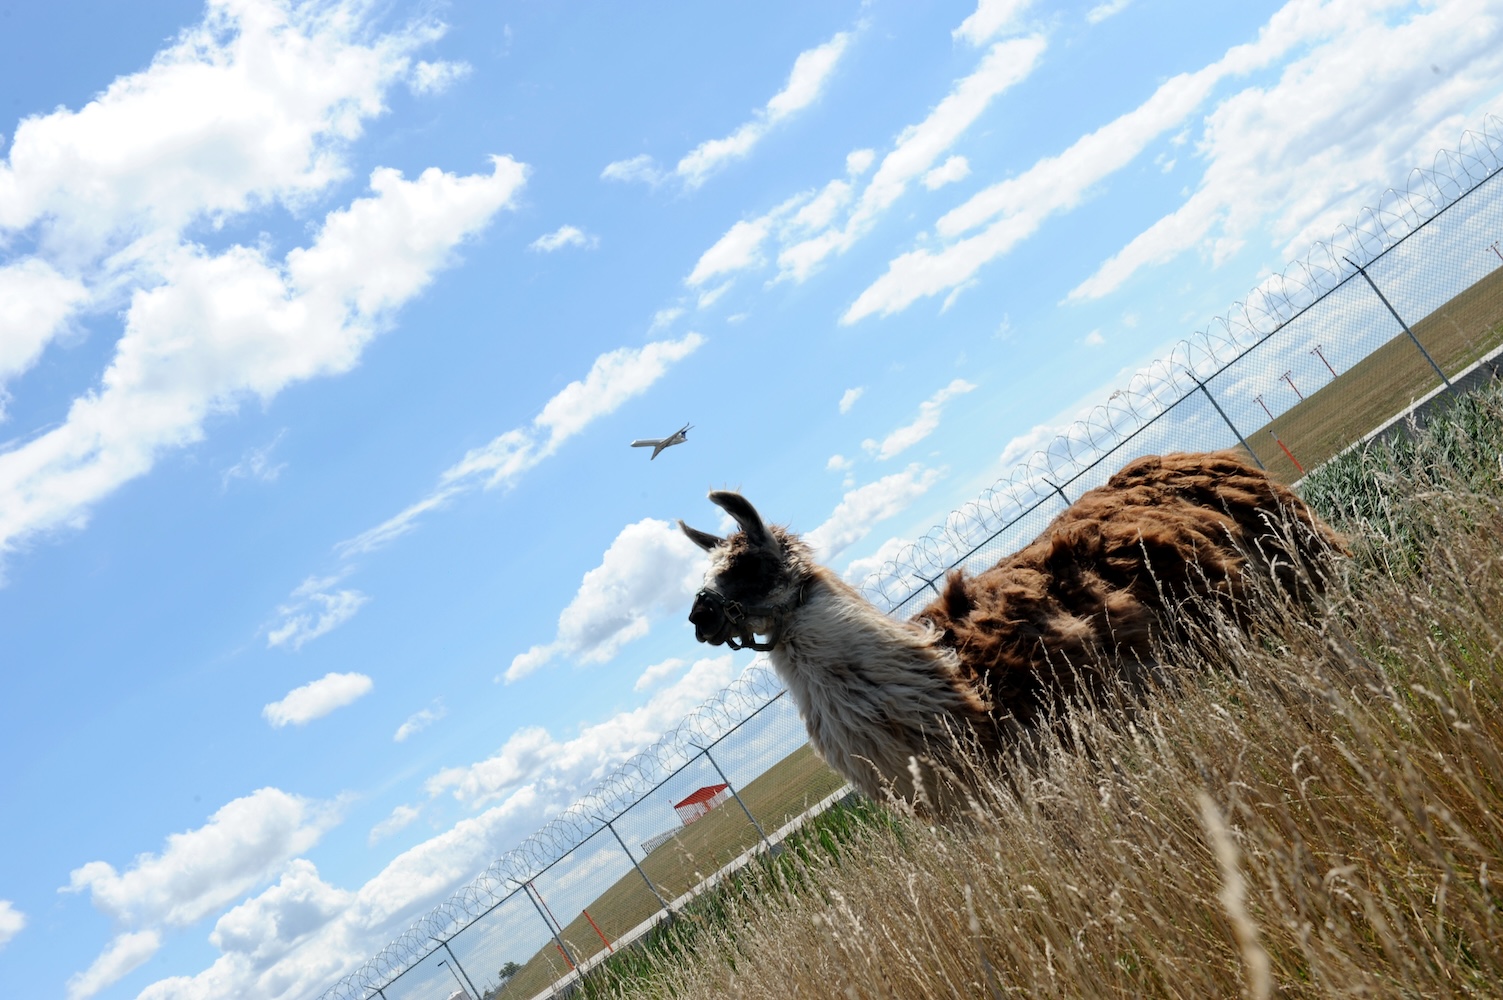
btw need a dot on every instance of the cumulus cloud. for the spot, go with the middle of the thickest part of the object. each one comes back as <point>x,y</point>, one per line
<point>12,921</point>
<point>35,302</point>
<point>226,327</point>
<point>991,18</point>
<point>657,673</point>
<point>420,720</point>
<point>861,569</point>
<point>317,699</point>
<point>252,107</point>
<point>401,817</point>
<point>302,933</point>
<point>1301,171</point>
<point>811,71</point>
<point>1380,112</point>
<point>956,168</point>
<point>739,249</point>
<point>641,168</point>
<point>533,758</point>
<point>244,844</point>
<point>806,229</point>
<point>927,421</point>
<point>564,236</point>
<point>864,507</point>
<point>649,569</point>
<point>806,81</point>
<point>1102,11</point>
<point>125,953</point>
<point>849,397</point>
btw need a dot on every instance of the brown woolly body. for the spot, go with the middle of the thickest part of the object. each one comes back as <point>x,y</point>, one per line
<point>1074,612</point>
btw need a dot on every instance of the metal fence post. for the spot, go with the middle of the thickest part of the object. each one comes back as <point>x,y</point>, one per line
<point>734,794</point>
<point>1228,419</point>
<point>1379,292</point>
<point>654,889</point>
<point>555,931</point>
<point>473,992</point>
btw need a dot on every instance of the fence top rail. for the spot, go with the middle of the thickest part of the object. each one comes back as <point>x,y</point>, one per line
<point>1153,392</point>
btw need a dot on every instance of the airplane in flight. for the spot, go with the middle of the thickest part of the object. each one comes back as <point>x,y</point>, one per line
<point>658,444</point>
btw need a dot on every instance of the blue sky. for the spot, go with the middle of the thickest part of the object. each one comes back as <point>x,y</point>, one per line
<point>326,573</point>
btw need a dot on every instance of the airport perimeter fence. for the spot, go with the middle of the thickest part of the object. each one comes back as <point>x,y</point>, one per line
<point>1403,304</point>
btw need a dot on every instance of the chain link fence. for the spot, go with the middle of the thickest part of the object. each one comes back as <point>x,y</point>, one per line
<point>1404,304</point>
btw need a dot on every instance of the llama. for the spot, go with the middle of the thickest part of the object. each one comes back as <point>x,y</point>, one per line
<point>1165,541</point>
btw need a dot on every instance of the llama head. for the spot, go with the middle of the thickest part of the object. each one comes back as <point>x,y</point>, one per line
<point>752,582</point>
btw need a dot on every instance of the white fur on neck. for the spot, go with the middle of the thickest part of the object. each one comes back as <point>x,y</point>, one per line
<point>873,692</point>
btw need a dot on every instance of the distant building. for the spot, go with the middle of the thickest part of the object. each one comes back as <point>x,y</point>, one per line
<point>701,802</point>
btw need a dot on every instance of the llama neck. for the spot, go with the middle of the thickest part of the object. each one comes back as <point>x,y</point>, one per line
<point>873,691</point>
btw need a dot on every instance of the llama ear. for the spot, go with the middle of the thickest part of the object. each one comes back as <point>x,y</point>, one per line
<point>703,539</point>
<point>746,515</point>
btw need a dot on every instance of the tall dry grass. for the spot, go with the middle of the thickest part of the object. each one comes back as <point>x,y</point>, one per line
<point>1315,809</point>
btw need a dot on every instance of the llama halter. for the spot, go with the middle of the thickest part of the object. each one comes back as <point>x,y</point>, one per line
<point>731,618</point>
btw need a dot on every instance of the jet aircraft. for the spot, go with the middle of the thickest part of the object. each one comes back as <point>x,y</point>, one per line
<point>658,444</point>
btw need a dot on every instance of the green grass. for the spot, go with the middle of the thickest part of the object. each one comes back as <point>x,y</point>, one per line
<point>1382,384</point>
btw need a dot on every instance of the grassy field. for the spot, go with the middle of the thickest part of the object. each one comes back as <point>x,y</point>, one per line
<point>1346,409</point>
<point>1315,812</point>
<point>784,791</point>
<point>1383,383</point>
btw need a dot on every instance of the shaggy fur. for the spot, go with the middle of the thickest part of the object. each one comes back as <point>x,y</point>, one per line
<point>1162,543</point>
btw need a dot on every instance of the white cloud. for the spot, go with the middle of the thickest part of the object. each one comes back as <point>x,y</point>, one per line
<point>1380,110</point>
<point>418,721</point>
<point>1034,439</point>
<point>301,933</point>
<point>657,673</point>
<point>316,609</point>
<point>401,817</point>
<point>1302,171</point>
<point>436,77</point>
<point>860,569</point>
<point>650,568</point>
<point>266,926</point>
<point>839,463</point>
<point>12,921</point>
<point>639,168</point>
<point>862,508</point>
<point>533,757</point>
<point>956,168</point>
<point>244,843</point>
<point>564,236</point>
<point>123,955</point>
<point>665,317</point>
<point>811,71</point>
<point>859,161</point>
<point>739,249</point>
<point>990,19</point>
<point>1094,339</point>
<point>710,296</point>
<point>222,328</point>
<point>317,699</point>
<point>35,302</point>
<point>917,149</point>
<point>1102,11</point>
<point>930,411</point>
<point>256,464</point>
<point>849,397</point>
<point>614,378</point>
